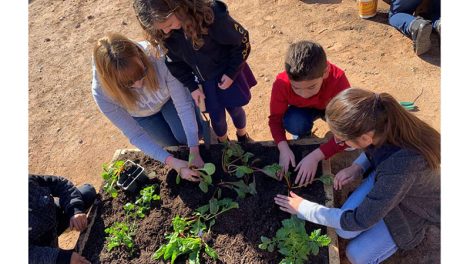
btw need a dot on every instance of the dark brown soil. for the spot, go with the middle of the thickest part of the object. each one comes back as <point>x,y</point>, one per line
<point>236,234</point>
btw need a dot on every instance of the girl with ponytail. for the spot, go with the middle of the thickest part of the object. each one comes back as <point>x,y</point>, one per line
<point>400,192</point>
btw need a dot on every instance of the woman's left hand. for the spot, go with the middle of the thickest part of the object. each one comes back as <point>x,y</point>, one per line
<point>225,82</point>
<point>290,203</point>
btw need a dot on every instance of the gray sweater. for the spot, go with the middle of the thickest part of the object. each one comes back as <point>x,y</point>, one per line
<point>406,195</point>
<point>149,104</point>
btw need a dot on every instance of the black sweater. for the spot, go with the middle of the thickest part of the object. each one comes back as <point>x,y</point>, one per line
<point>43,244</point>
<point>225,51</point>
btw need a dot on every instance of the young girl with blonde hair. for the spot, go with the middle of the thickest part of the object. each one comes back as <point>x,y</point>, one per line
<point>400,193</point>
<point>137,93</point>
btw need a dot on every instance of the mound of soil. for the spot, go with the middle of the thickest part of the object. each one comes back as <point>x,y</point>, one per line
<point>236,234</point>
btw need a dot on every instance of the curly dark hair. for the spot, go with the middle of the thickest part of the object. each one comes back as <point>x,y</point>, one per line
<point>195,17</point>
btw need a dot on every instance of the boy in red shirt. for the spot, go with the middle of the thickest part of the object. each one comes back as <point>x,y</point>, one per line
<point>299,97</point>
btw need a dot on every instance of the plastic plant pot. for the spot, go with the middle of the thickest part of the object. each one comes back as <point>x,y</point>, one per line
<point>132,177</point>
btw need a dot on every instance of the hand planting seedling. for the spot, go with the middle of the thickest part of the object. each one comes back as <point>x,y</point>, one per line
<point>110,176</point>
<point>188,234</point>
<point>293,242</point>
<point>120,234</point>
<point>206,173</point>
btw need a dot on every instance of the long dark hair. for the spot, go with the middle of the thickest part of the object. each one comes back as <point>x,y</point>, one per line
<point>354,112</point>
<point>195,17</point>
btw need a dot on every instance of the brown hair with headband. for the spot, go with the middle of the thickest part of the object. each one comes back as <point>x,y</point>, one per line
<point>117,63</point>
<point>354,112</point>
<point>195,17</point>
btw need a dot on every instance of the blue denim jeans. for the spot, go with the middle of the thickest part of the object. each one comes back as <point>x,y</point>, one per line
<point>401,12</point>
<point>165,127</point>
<point>299,121</point>
<point>373,245</point>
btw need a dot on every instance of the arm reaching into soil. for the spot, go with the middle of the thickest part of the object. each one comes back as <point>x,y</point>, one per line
<point>124,121</point>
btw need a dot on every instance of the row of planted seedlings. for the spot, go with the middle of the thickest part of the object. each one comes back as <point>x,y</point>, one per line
<point>190,233</point>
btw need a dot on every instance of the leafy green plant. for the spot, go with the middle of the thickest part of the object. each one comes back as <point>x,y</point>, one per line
<point>293,242</point>
<point>206,173</point>
<point>188,233</point>
<point>110,176</point>
<point>120,234</point>
<point>142,205</point>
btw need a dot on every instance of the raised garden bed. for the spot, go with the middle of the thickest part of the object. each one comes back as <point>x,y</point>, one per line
<point>236,234</point>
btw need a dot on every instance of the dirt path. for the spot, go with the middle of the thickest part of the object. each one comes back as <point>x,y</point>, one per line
<point>69,136</point>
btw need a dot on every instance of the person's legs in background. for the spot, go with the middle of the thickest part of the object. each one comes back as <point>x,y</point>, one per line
<point>299,121</point>
<point>219,124</point>
<point>401,17</point>
<point>238,116</point>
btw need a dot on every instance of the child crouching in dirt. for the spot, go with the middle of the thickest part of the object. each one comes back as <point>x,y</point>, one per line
<point>299,97</point>
<point>205,47</point>
<point>137,93</point>
<point>400,193</point>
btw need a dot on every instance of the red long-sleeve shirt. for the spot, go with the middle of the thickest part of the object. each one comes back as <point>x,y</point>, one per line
<point>282,96</point>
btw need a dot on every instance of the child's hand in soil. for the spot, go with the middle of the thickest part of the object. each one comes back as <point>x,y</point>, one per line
<point>78,222</point>
<point>290,203</point>
<point>225,82</point>
<point>286,157</point>
<point>182,167</point>
<point>77,259</point>
<point>197,160</point>
<point>308,167</point>
<point>347,175</point>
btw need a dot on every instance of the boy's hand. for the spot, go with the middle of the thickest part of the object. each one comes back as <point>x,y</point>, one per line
<point>308,167</point>
<point>286,157</point>
<point>347,175</point>
<point>77,259</point>
<point>225,82</point>
<point>78,222</point>
<point>290,203</point>
<point>198,96</point>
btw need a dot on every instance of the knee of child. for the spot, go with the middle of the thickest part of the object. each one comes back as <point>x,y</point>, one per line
<point>296,124</point>
<point>355,254</point>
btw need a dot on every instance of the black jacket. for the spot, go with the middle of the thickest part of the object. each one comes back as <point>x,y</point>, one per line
<point>43,244</point>
<point>225,51</point>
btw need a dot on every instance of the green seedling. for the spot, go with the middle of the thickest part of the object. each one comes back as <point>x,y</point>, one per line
<point>188,234</point>
<point>110,176</point>
<point>120,234</point>
<point>293,242</point>
<point>240,187</point>
<point>206,173</point>
<point>142,205</point>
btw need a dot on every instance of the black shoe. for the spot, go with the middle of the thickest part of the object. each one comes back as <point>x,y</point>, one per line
<point>227,141</point>
<point>420,30</point>
<point>244,139</point>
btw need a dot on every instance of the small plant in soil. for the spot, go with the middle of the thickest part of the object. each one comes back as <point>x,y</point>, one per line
<point>120,234</point>
<point>189,234</point>
<point>206,173</point>
<point>142,205</point>
<point>293,242</point>
<point>110,176</point>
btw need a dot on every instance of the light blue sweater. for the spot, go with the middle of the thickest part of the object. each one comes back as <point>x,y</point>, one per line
<point>150,103</point>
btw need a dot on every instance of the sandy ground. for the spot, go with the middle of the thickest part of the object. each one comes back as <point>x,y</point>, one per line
<point>68,136</point>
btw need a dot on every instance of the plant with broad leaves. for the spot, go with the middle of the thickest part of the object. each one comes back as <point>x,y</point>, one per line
<point>120,234</point>
<point>206,173</point>
<point>110,176</point>
<point>188,234</point>
<point>293,242</point>
<point>143,203</point>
